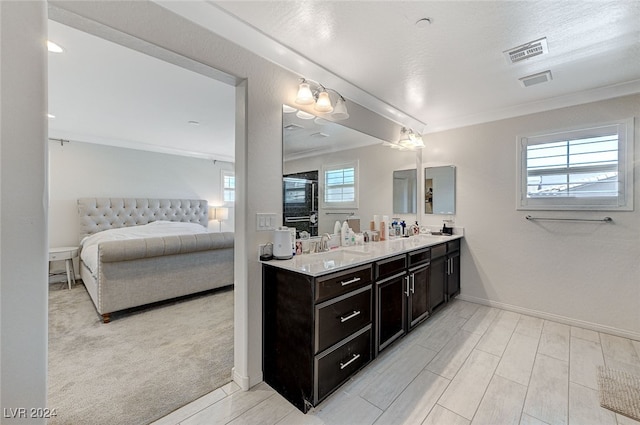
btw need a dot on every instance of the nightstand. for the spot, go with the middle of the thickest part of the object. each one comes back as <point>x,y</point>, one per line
<point>66,253</point>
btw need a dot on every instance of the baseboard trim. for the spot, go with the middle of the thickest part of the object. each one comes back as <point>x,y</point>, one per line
<point>554,317</point>
<point>242,381</point>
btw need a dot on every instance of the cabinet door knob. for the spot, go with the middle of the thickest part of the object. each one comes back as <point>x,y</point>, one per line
<point>351,316</point>
<point>353,359</point>
<point>347,282</point>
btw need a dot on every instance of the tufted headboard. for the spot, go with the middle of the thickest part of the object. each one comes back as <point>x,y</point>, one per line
<point>97,214</point>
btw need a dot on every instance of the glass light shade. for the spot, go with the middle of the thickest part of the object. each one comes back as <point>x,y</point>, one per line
<point>305,115</point>
<point>323,104</point>
<point>340,110</point>
<point>305,97</point>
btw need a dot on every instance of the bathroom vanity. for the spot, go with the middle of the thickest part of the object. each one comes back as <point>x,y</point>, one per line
<point>327,315</point>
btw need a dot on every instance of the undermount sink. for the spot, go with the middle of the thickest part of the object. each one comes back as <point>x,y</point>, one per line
<point>329,260</point>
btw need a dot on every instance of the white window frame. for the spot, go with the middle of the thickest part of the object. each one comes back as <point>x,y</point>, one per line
<point>624,200</point>
<point>339,205</point>
<point>223,188</point>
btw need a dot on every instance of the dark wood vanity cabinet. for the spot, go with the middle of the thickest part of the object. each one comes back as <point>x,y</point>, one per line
<point>453,268</point>
<point>317,331</point>
<point>402,295</point>
<point>445,273</point>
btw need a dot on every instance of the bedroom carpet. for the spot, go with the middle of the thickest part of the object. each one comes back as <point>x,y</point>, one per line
<point>141,366</point>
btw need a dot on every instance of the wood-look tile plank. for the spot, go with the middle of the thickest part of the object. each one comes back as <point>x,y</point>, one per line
<point>441,416</point>
<point>517,361</point>
<point>449,360</point>
<point>554,340</point>
<point>267,412</point>
<point>623,420</point>
<point>587,334</point>
<point>529,326</point>
<point>385,387</point>
<point>547,397</point>
<point>481,320</point>
<point>620,353</point>
<point>502,403</point>
<point>230,407</point>
<point>231,388</point>
<point>414,404</point>
<point>344,408</point>
<point>530,420</point>
<point>461,308</point>
<point>468,387</point>
<point>584,407</point>
<point>496,338</point>
<point>585,357</point>
<point>436,337</point>
<point>192,408</point>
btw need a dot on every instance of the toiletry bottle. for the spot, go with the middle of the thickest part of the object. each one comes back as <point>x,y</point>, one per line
<point>383,231</point>
<point>344,234</point>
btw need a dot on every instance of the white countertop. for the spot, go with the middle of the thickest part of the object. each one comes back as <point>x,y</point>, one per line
<point>344,257</point>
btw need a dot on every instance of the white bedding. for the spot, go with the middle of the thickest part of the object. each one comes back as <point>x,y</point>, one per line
<point>89,244</point>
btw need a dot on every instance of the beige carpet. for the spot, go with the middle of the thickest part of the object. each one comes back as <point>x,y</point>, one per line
<point>142,365</point>
<point>619,392</point>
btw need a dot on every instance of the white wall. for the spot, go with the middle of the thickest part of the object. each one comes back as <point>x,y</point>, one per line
<point>376,165</point>
<point>577,272</point>
<point>79,170</point>
<point>258,168</point>
<point>23,209</point>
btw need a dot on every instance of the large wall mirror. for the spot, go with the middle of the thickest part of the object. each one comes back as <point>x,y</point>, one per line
<point>312,148</point>
<point>405,191</point>
<point>440,190</point>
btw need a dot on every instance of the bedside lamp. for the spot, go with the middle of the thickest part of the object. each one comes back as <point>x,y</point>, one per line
<point>219,214</point>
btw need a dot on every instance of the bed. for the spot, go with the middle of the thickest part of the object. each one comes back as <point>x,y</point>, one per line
<point>135,252</point>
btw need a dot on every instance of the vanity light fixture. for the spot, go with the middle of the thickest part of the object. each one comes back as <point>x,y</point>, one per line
<point>320,97</point>
<point>409,140</point>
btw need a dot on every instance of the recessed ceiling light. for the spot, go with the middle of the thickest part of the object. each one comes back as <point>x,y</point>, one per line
<point>541,77</point>
<point>53,47</point>
<point>50,116</point>
<point>304,115</point>
<point>288,109</point>
<point>193,123</point>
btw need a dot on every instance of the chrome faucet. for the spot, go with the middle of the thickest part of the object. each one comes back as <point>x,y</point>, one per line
<point>324,243</point>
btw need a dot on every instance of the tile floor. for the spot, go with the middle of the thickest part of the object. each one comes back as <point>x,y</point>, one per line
<point>469,364</point>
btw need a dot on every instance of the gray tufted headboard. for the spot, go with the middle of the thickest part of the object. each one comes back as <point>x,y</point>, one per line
<point>97,214</point>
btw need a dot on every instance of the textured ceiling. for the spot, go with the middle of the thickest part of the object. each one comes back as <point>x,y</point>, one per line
<point>453,72</point>
<point>446,74</point>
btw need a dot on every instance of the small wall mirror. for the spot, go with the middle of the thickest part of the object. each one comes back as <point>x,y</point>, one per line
<point>405,191</point>
<point>440,190</point>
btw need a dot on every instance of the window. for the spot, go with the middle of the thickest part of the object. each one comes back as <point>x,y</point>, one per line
<point>590,168</point>
<point>228,187</point>
<point>340,185</point>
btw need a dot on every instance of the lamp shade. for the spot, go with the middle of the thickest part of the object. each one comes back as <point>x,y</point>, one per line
<point>323,104</point>
<point>305,97</point>
<point>340,110</point>
<point>221,213</point>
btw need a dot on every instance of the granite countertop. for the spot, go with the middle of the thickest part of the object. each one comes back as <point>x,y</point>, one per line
<point>345,257</point>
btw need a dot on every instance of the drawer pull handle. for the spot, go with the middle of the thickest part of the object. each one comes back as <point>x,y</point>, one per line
<point>351,316</point>
<point>347,282</point>
<point>353,359</point>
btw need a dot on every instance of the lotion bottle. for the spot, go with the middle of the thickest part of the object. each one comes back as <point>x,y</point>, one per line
<point>345,234</point>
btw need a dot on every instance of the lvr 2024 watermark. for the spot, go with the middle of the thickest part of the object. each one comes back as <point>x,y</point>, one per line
<point>28,413</point>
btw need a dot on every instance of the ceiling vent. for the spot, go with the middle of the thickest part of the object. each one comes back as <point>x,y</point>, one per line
<point>526,51</point>
<point>540,77</point>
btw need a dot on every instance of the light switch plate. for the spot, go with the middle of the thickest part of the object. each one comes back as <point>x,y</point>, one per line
<point>266,221</point>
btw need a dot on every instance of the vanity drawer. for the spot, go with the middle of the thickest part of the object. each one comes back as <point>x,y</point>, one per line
<point>390,266</point>
<point>340,317</point>
<point>335,367</point>
<point>453,245</point>
<point>419,257</point>
<point>340,283</point>
<point>438,251</point>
